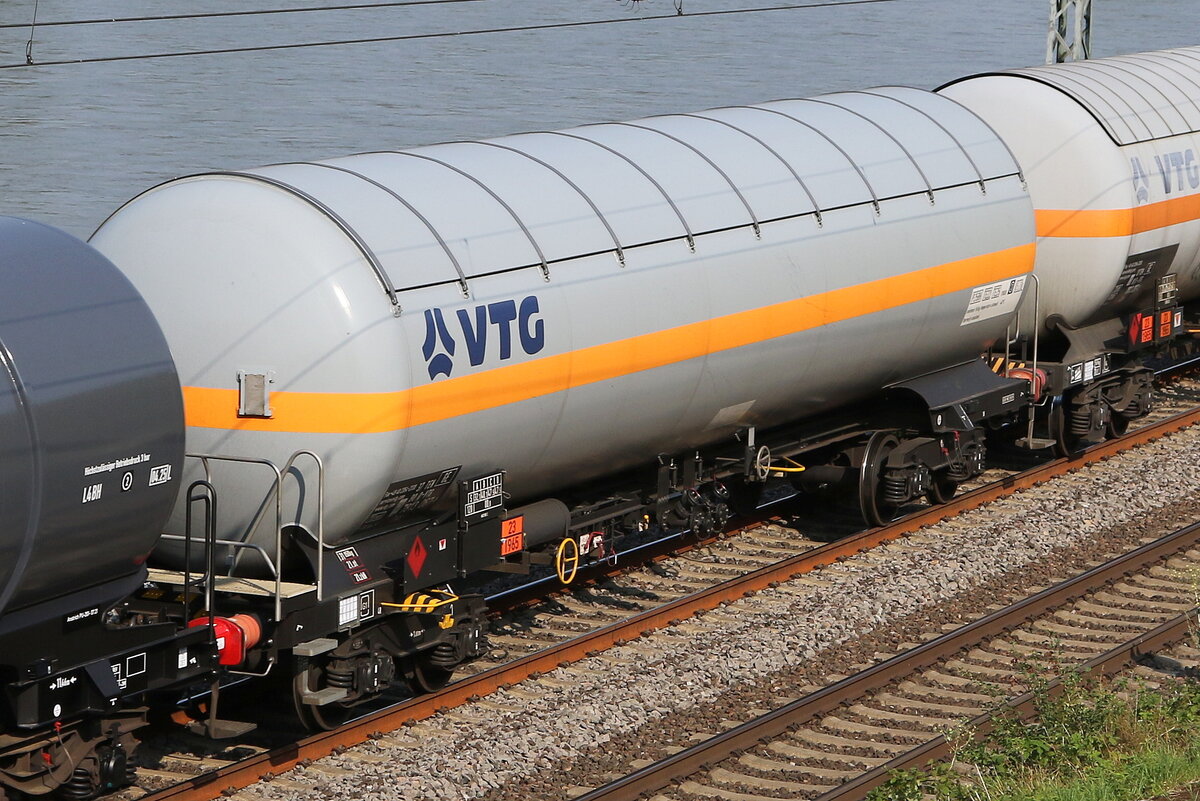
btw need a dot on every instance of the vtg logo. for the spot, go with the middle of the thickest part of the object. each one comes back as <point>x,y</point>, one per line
<point>473,330</point>
<point>1178,171</point>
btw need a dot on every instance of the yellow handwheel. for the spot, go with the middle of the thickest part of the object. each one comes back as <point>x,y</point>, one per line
<point>566,561</point>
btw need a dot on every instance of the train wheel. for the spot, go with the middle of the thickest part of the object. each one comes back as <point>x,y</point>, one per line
<point>427,677</point>
<point>1117,425</point>
<point>307,677</point>
<point>941,488</point>
<point>1067,443</point>
<point>875,510</point>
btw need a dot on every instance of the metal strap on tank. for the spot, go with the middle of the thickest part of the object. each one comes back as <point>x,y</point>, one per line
<point>368,254</point>
<point>1191,58</point>
<point>462,278</point>
<point>1186,55</point>
<point>829,139</point>
<point>691,239</point>
<point>710,162</point>
<point>595,209</point>
<point>937,122</point>
<point>885,132</point>
<point>1106,64</point>
<point>516,218</point>
<point>1100,63</point>
<point>1173,66</point>
<point>773,152</point>
<point>1057,78</point>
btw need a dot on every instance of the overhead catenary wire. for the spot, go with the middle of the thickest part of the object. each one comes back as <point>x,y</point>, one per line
<point>437,35</point>
<point>219,14</point>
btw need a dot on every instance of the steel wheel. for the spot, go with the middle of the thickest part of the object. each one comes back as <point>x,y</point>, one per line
<point>941,488</point>
<point>876,511</point>
<point>427,678</point>
<point>307,675</point>
<point>1066,443</point>
<point>1117,425</point>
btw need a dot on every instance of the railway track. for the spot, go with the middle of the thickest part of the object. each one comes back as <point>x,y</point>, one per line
<point>577,626</point>
<point>841,742</point>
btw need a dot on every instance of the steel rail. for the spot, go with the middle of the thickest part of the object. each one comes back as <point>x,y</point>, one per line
<point>241,774</point>
<point>773,724</point>
<point>1113,661</point>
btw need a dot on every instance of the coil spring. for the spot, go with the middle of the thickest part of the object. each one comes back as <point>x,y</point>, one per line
<point>957,471</point>
<point>1081,420</point>
<point>80,787</point>
<point>339,677</point>
<point>895,489</point>
<point>443,655</point>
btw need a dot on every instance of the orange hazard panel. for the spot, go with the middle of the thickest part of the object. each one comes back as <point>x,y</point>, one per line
<point>512,535</point>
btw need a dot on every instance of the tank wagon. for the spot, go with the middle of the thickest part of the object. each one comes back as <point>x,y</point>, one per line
<point>1113,174</point>
<point>466,334</point>
<point>401,369</point>
<point>92,426</point>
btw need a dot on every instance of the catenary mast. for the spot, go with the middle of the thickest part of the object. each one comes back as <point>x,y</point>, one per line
<point>1070,34</point>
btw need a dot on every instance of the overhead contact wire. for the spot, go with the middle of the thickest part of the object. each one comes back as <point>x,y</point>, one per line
<point>439,35</point>
<point>251,13</point>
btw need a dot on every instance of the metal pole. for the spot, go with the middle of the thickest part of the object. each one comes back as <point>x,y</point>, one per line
<point>1070,34</point>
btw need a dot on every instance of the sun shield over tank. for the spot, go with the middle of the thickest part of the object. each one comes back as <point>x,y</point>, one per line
<point>452,212</point>
<point>1136,98</point>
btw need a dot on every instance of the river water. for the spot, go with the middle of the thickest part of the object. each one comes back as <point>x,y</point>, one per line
<point>79,139</point>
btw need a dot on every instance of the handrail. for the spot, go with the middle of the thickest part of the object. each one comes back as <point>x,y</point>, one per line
<point>320,514</point>
<point>274,564</point>
<point>208,496</point>
<point>276,568</point>
<point>1037,291</point>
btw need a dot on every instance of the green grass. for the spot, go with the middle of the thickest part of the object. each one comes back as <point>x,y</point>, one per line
<point>1146,773</point>
<point>1089,742</point>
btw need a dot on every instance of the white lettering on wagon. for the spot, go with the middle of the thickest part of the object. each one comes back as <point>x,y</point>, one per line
<point>108,467</point>
<point>160,475</point>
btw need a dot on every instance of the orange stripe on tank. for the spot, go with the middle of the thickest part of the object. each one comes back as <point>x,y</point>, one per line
<point>365,413</point>
<point>1117,222</point>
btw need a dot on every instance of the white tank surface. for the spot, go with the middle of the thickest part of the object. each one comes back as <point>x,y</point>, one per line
<point>566,304</point>
<point>1112,155</point>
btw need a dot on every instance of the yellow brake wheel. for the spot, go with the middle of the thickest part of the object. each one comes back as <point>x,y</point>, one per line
<point>566,561</point>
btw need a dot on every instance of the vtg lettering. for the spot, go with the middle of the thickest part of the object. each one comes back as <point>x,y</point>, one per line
<point>505,323</point>
<point>1178,170</point>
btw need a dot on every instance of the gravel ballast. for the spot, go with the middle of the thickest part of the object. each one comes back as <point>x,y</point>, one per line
<point>515,738</point>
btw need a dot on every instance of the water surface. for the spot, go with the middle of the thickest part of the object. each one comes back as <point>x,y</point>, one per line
<point>78,140</point>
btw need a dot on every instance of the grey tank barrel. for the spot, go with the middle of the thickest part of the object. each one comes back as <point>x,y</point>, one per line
<point>566,305</point>
<point>545,521</point>
<point>91,421</point>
